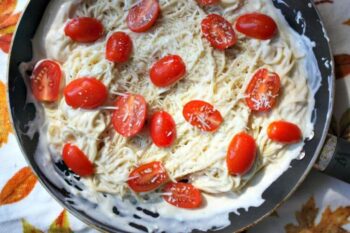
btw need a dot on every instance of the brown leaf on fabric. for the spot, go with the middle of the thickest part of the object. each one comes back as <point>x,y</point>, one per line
<point>7,6</point>
<point>28,228</point>
<point>331,222</point>
<point>61,224</point>
<point>5,123</point>
<point>347,22</point>
<point>342,65</point>
<point>18,187</point>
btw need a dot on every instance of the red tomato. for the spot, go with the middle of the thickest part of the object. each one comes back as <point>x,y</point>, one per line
<point>119,47</point>
<point>129,117</point>
<point>284,132</point>
<point>147,177</point>
<point>256,25</point>
<point>142,16</point>
<point>167,70</point>
<point>85,93</point>
<point>207,2</point>
<point>163,129</point>
<point>218,31</point>
<point>241,154</point>
<point>77,161</point>
<point>46,80</point>
<point>182,195</point>
<point>84,29</point>
<point>263,90</point>
<point>202,115</point>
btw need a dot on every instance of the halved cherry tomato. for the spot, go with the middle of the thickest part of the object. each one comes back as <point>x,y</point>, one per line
<point>284,132</point>
<point>46,80</point>
<point>182,195</point>
<point>77,161</point>
<point>256,25</point>
<point>202,115</point>
<point>119,46</point>
<point>167,70</point>
<point>207,2</point>
<point>241,154</point>
<point>85,93</point>
<point>142,16</point>
<point>263,90</point>
<point>218,31</point>
<point>163,129</point>
<point>129,117</point>
<point>84,29</point>
<point>147,177</point>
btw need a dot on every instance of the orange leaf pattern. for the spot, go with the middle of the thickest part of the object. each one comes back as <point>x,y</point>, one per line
<point>342,65</point>
<point>347,22</point>
<point>28,228</point>
<point>5,123</point>
<point>18,187</point>
<point>8,22</point>
<point>61,224</point>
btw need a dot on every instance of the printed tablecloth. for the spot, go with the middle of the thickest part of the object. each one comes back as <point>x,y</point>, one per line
<point>321,204</point>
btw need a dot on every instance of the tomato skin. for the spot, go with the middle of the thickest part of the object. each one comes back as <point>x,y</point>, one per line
<point>147,177</point>
<point>84,29</point>
<point>218,31</point>
<point>119,47</point>
<point>130,115</point>
<point>46,80</point>
<point>256,25</point>
<point>167,71</point>
<point>202,115</point>
<point>284,132</point>
<point>163,129</point>
<point>241,154</point>
<point>85,93</point>
<point>263,90</point>
<point>182,195</point>
<point>143,16</point>
<point>76,160</point>
<point>207,2</point>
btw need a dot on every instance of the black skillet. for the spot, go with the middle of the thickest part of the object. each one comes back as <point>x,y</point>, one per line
<point>335,159</point>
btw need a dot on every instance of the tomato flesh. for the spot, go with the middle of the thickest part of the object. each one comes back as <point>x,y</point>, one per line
<point>130,115</point>
<point>167,71</point>
<point>241,154</point>
<point>46,80</point>
<point>263,90</point>
<point>163,129</point>
<point>284,132</point>
<point>207,2</point>
<point>218,31</point>
<point>85,93</point>
<point>202,115</point>
<point>119,47</point>
<point>182,195</point>
<point>76,160</point>
<point>143,16</point>
<point>147,177</point>
<point>84,29</point>
<point>257,25</point>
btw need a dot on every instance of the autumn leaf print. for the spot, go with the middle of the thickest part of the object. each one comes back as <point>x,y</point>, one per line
<point>347,22</point>
<point>61,224</point>
<point>342,65</point>
<point>5,123</point>
<point>28,228</point>
<point>18,187</point>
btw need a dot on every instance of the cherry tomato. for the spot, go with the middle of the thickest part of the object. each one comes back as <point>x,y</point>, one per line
<point>241,154</point>
<point>143,16</point>
<point>167,70</point>
<point>263,90</point>
<point>147,177</point>
<point>256,25</point>
<point>84,29</point>
<point>119,47</point>
<point>85,93</point>
<point>202,115</point>
<point>129,117</point>
<point>182,195</point>
<point>46,80</point>
<point>218,31</point>
<point>207,2</point>
<point>284,132</point>
<point>163,129</point>
<point>77,161</point>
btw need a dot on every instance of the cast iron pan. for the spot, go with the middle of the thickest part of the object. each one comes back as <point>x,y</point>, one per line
<point>279,191</point>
